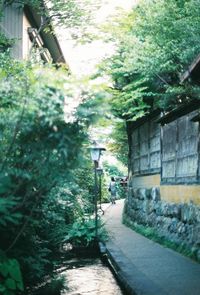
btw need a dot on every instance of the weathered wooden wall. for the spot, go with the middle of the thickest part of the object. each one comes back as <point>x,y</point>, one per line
<point>179,151</point>
<point>12,26</point>
<point>164,177</point>
<point>145,158</point>
<point>171,150</point>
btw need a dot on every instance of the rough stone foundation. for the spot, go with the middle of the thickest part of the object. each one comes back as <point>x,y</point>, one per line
<point>179,223</point>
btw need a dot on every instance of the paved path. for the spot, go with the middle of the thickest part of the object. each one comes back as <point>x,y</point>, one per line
<point>143,265</point>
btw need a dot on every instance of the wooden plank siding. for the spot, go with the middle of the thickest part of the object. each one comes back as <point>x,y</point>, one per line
<point>12,26</point>
<point>171,150</point>
<point>145,158</point>
<point>168,150</point>
<point>155,146</point>
<point>179,152</point>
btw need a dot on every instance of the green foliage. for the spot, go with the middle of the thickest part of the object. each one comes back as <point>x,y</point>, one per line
<point>5,43</point>
<point>85,180</point>
<point>43,187</point>
<point>7,217</point>
<point>114,169</point>
<point>46,179</point>
<point>55,286</point>
<point>82,232</point>
<point>119,145</point>
<point>105,194</point>
<point>156,43</point>
<point>10,275</point>
<point>75,15</point>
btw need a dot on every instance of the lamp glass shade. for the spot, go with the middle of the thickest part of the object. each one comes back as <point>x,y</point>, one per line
<point>95,154</point>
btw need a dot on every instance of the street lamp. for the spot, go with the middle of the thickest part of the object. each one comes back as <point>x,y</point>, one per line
<point>100,173</point>
<point>95,155</point>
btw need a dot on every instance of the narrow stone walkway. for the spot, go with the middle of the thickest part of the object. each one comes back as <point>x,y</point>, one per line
<point>145,267</point>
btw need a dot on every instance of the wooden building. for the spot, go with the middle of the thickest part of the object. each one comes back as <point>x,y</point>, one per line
<point>164,152</point>
<point>164,170</point>
<point>22,24</point>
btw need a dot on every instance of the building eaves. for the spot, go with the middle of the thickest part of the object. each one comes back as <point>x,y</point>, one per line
<point>49,38</point>
<point>192,72</point>
<point>178,112</point>
<point>150,116</point>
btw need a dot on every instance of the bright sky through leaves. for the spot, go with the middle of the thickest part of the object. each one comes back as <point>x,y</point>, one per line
<point>83,58</point>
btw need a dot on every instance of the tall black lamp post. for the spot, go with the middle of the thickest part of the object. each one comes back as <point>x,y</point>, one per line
<point>95,155</point>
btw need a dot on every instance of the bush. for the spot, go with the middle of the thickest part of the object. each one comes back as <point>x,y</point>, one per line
<point>83,232</point>
<point>10,276</point>
<point>42,188</point>
<point>54,287</point>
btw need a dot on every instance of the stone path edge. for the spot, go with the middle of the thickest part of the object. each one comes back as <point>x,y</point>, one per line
<point>136,283</point>
<point>121,278</point>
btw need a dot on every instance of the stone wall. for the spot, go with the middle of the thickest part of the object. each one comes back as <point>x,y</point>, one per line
<point>179,223</point>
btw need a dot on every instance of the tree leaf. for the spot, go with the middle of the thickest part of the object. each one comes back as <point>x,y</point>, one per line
<point>10,284</point>
<point>4,269</point>
<point>20,286</point>
<point>2,288</point>
<point>14,270</point>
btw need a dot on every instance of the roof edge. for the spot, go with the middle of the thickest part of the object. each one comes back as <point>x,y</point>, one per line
<point>191,68</point>
<point>178,112</point>
<point>34,18</point>
<point>151,115</point>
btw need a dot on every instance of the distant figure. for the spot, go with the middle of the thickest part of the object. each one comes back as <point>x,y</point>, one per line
<point>113,190</point>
